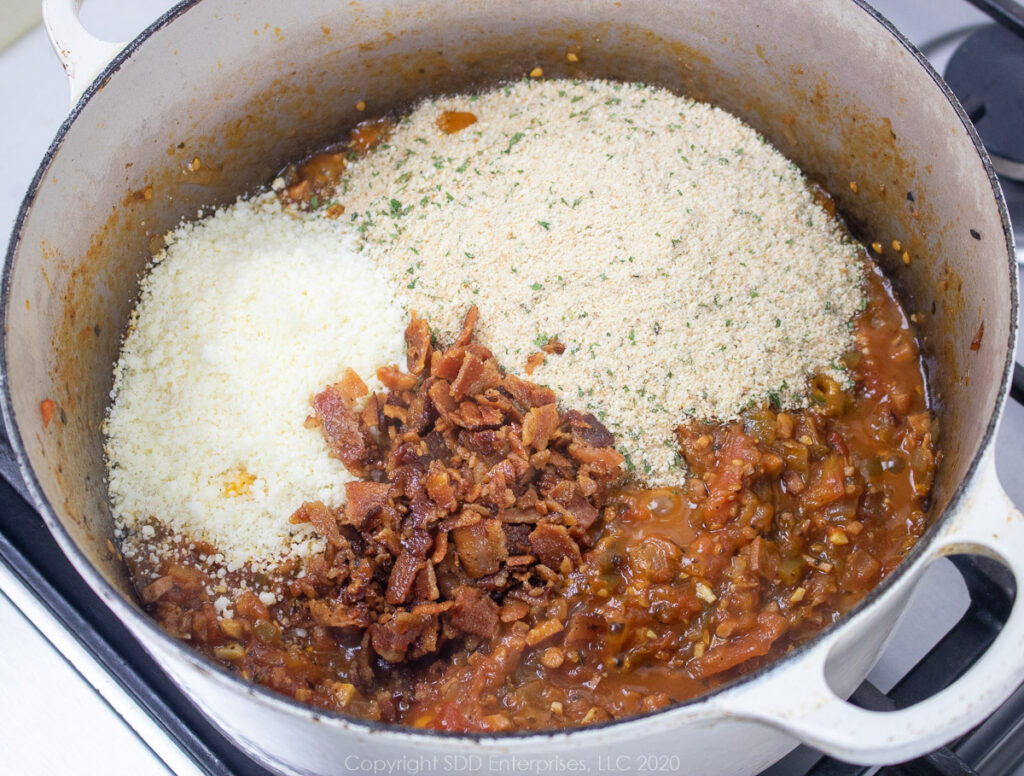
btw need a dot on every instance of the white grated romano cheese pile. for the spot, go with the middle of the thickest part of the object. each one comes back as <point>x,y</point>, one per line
<point>241,319</point>
<point>679,257</point>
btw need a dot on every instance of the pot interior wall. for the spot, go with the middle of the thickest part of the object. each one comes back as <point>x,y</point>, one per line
<point>245,87</point>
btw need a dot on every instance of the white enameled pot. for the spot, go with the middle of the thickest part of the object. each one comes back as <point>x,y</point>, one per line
<point>246,85</point>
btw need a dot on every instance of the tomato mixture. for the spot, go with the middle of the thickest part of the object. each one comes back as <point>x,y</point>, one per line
<point>536,613</point>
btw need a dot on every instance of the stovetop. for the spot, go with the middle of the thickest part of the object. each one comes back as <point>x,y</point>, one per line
<point>127,701</point>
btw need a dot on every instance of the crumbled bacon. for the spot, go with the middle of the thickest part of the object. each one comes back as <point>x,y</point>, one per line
<point>394,379</point>
<point>322,519</point>
<point>403,574</point>
<point>417,345</point>
<point>481,547</point>
<point>362,500</point>
<point>552,543</point>
<point>533,361</point>
<point>349,439</point>
<point>474,612</point>
<point>393,636</point>
<point>529,394</point>
<point>539,425</point>
<point>586,429</point>
<point>475,376</point>
<point>468,326</point>
<point>554,347</point>
<point>475,495</point>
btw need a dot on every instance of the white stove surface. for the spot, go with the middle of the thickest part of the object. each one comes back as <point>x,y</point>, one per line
<point>99,728</point>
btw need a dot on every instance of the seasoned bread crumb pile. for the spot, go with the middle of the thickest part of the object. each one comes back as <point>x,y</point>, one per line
<point>682,261</point>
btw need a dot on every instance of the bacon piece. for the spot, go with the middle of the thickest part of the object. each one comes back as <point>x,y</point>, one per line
<point>395,412</point>
<point>528,394</point>
<point>392,639</point>
<point>533,361</point>
<point>425,586</point>
<point>516,515</point>
<point>362,499</point>
<point>371,414</point>
<point>554,347</point>
<point>424,513</point>
<point>447,364</point>
<point>551,543</point>
<point>433,608</point>
<point>505,469</point>
<point>417,345</point>
<point>322,519</point>
<point>481,547</point>
<point>588,430</point>
<point>475,376</point>
<point>465,518</point>
<point>439,487</point>
<point>420,415</point>
<point>520,560</point>
<point>403,574</point>
<point>497,488</point>
<point>418,543</point>
<point>603,460</point>
<point>338,615</point>
<point>488,442</point>
<point>468,324</point>
<point>348,439</point>
<point>538,426</point>
<point>440,394</point>
<point>474,417</point>
<point>498,400</point>
<point>474,612</point>
<point>568,494</point>
<point>395,380</point>
<point>352,386</point>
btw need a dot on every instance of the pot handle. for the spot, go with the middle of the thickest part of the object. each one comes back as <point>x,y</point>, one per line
<point>82,55</point>
<point>987,523</point>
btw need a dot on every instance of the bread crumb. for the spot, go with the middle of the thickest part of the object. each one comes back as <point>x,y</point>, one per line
<point>683,261</point>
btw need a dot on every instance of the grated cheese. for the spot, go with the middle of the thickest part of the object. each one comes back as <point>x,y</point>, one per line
<point>242,318</point>
<point>682,260</point>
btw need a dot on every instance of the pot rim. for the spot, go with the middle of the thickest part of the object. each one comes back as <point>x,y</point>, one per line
<point>690,707</point>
